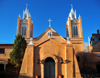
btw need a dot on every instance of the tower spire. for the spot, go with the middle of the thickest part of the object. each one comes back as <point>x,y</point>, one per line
<point>72,14</point>
<point>79,16</point>
<point>19,15</point>
<point>26,6</point>
<point>26,13</point>
<point>71,7</point>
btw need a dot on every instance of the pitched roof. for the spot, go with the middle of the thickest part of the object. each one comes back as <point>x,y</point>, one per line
<point>97,36</point>
<point>44,36</point>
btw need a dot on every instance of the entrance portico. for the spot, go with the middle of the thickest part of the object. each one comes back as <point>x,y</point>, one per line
<point>49,67</point>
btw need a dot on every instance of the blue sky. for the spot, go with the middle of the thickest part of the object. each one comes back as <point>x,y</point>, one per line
<point>42,10</point>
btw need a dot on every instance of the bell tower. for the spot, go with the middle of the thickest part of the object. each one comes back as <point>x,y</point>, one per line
<point>74,26</point>
<point>25,26</point>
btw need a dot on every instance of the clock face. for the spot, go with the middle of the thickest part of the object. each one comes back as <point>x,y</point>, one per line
<point>74,20</point>
<point>24,20</point>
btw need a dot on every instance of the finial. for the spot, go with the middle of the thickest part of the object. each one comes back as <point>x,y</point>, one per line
<point>19,15</point>
<point>26,6</point>
<point>49,22</point>
<point>68,41</point>
<point>79,16</point>
<point>31,43</point>
<point>71,7</point>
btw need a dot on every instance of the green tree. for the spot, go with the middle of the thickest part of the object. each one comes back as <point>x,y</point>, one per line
<point>19,47</point>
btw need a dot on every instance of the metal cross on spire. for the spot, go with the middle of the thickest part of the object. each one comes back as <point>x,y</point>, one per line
<point>49,22</point>
<point>72,7</point>
<point>26,6</point>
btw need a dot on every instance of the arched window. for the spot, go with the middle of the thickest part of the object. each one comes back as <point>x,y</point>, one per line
<point>23,30</point>
<point>75,30</point>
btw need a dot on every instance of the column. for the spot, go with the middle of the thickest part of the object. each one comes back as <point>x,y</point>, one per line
<point>80,26</point>
<point>18,25</point>
<point>29,28</point>
<point>30,61</point>
<point>70,27</point>
<point>69,53</point>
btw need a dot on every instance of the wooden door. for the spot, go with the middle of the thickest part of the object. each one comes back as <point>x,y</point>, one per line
<point>49,69</point>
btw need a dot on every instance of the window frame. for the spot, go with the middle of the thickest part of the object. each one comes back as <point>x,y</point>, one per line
<point>75,31</point>
<point>3,49</point>
<point>22,31</point>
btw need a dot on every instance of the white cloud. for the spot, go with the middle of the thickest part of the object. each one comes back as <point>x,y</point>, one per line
<point>85,44</point>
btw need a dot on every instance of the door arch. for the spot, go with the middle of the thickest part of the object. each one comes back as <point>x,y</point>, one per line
<point>49,68</point>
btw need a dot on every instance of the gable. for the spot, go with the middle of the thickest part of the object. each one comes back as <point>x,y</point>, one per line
<point>97,36</point>
<point>44,36</point>
<point>50,47</point>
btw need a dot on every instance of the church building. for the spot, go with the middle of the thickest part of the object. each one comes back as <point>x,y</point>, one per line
<point>49,55</point>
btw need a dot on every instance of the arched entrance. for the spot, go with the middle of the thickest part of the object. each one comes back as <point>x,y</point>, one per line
<point>49,68</point>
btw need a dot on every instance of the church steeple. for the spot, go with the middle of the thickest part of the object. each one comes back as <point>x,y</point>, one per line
<point>74,26</point>
<point>26,13</point>
<point>72,14</point>
<point>25,26</point>
<point>71,8</point>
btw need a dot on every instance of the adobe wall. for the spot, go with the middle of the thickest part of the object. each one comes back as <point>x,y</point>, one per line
<point>77,45</point>
<point>57,51</point>
<point>8,49</point>
<point>50,49</point>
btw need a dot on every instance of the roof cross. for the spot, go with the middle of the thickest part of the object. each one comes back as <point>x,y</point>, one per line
<point>26,6</point>
<point>49,22</point>
<point>71,7</point>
